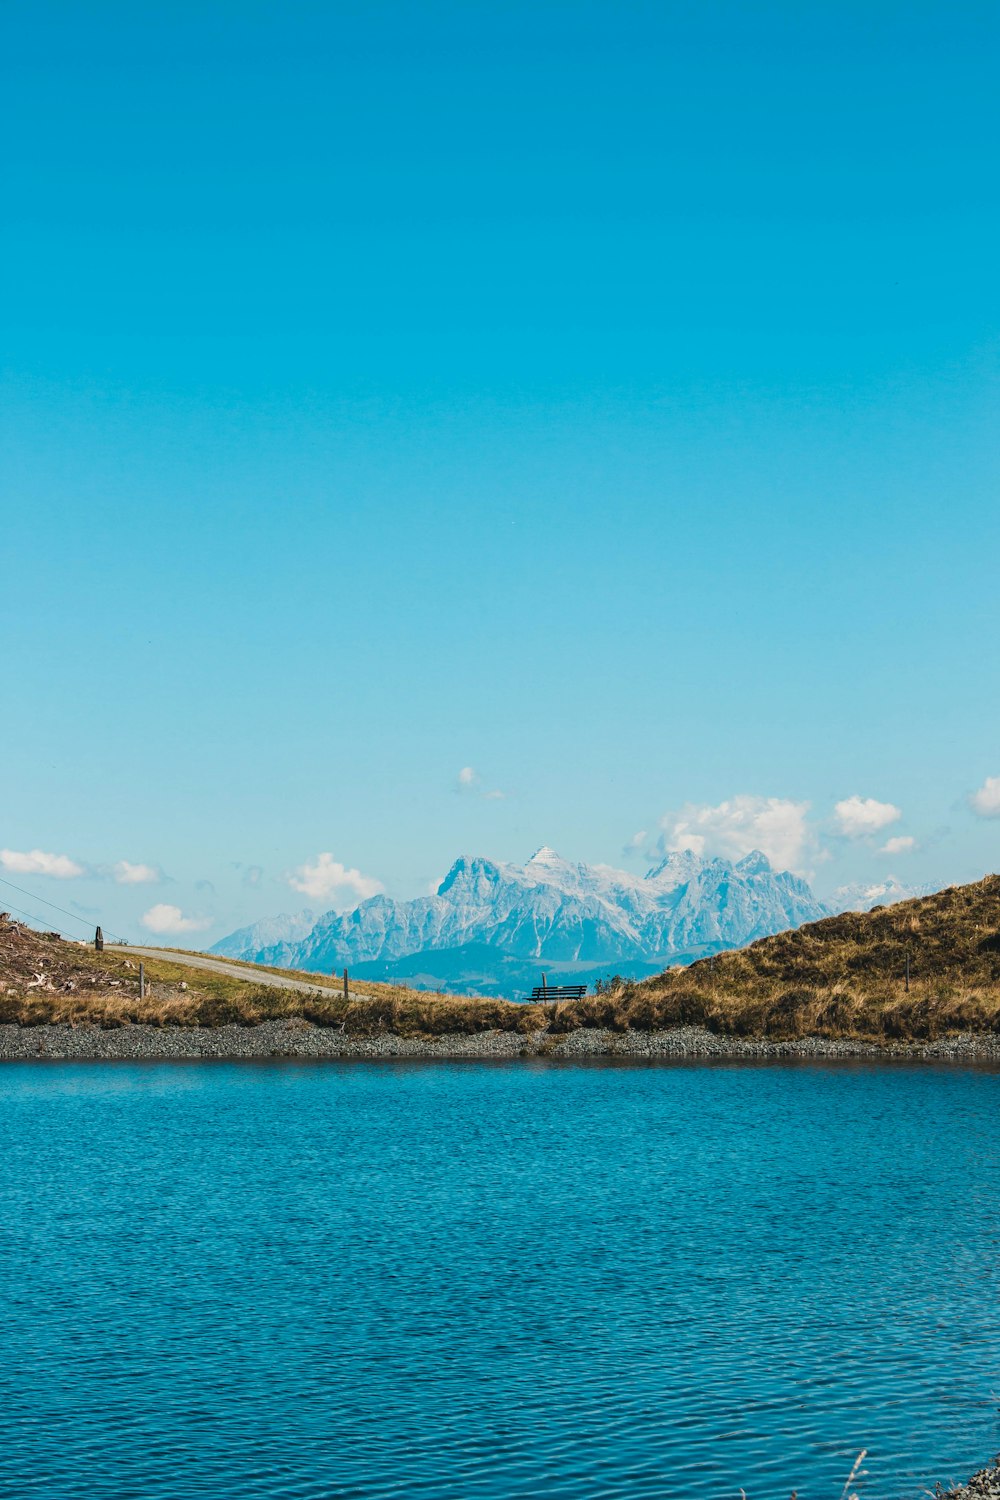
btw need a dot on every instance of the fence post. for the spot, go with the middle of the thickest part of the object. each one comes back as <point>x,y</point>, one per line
<point>142,981</point>
<point>907,971</point>
<point>345,984</point>
<point>99,941</point>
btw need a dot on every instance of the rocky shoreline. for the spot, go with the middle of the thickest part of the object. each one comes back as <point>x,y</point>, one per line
<point>297,1038</point>
<point>982,1486</point>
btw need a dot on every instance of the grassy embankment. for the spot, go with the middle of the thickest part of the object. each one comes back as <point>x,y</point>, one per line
<point>843,977</point>
<point>846,975</point>
<point>47,980</point>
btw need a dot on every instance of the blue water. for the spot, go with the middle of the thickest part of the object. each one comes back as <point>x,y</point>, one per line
<point>308,1281</point>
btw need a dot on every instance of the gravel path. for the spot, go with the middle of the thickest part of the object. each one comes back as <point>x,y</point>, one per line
<point>220,966</point>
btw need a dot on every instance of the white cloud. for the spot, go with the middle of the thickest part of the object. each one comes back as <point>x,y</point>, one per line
<point>901,844</point>
<point>37,862</point>
<point>469,780</point>
<point>986,802</point>
<point>637,842</point>
<point>326,879</point>
<point>125,873</point>
<point>777,826</point>
<point>859,816</point>
<point>164,918</point>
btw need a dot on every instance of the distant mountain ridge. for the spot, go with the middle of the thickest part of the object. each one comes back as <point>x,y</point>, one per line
<point>887,892</point>
<point>496,927</point>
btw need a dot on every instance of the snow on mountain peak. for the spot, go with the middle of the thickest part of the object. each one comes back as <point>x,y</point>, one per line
<point>470,877</point>
<point>678,865</point>
<point>755,863</point>
<point>551,911</point>
<point>887,892</point>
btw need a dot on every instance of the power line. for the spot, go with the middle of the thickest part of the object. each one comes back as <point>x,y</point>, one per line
<point>33,917</point>
<point>73,918</point>
<point>42,899</point>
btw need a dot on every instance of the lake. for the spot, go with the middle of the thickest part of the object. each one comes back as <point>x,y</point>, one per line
<point>472,1280</point>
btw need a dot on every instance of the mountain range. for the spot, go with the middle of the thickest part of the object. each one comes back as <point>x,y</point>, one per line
<point>865,897</point>
<point>495,928</point>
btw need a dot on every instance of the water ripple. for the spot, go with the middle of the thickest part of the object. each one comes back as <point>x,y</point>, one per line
<point>355,1283</point>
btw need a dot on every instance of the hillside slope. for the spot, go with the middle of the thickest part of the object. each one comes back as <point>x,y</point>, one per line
<point>842,976</point>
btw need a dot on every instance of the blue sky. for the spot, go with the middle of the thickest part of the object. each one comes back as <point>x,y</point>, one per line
<point>597,398</point>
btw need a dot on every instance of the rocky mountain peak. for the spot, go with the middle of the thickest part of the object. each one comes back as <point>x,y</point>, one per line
<point>470,877</point>
<point>755,863</point>
<point>549,912</point>
<point>546,856</point>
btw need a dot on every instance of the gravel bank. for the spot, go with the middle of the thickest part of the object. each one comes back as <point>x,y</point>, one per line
<point>982,1486</point>
<point>300,1039</point>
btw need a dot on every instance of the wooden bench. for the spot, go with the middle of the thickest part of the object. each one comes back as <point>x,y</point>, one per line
<point>559,992</point>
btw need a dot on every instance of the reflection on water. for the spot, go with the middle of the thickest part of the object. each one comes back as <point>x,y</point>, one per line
<point>522,1280</point>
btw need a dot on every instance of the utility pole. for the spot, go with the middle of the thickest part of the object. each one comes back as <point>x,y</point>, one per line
<point>907,971</point>
<point>345,984</point>
<point>142,981</point>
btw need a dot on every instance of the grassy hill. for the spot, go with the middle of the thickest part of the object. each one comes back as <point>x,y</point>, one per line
<point>843,977</point>
<point>45,980</point>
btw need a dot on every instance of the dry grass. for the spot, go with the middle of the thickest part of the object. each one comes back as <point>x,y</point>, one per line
<point>843,977</point>
<point>45,980</point>
<point>231,1002</point>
